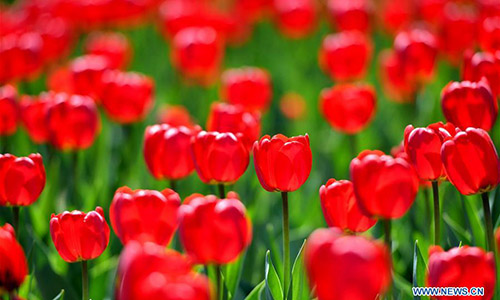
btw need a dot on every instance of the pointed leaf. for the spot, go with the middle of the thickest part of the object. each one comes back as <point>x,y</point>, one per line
<point>274,290</point>
<point>257,290</point>
<point>299,289</point>
<point>60,296</point>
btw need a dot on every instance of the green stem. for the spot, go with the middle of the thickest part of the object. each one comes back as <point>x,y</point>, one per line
<point>352,145</point>
<point>15,219</point>
<point>85,281</point>
<point>427,207</point>
<point>437,219</point>
<point>173,185</point>
<point>286,245</point>
<point>222,192</point>
<point>220,286</point>
<point>387,241</point>
<point>488,221</point>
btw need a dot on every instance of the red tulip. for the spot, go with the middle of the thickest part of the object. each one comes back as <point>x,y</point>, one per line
<point>462,267</point>
<point>197,52</point>
<point>112,45</point>
<point>14,266</point>
<point>459,30</point>
<point>73,121</point>
<point>167,151</point>
<point>471,161</point>
<point>233,118</point>
<point>295,18</point>
<point>350,15</point>
<point>396,82</point>
<point>293,106</point>
<point>399,151</point>
<point>282,164</point>
<point>340,207</point>
<point>57,35</point>
<point>423,148</point>
<point>483,64</point>
<point>126,96</point>
<point>219,157</point>
<point>34,114</point>
<point>249,86</point>
<point>431,10</point>
<point>79,236</point>
<point>214,230</point>
<point>348,108</point>
<point>9,110</point>
<point>385,187</point>
<point>346,267</point>
<point>60,80</point>
<point>469,104</point>
<point>417,50</point>
<point>396,15</point>
<point>22,179</point>
<point>150,272</point>
<point>489,34</point>
<point>86,72</point>
<point>144,215</point>
<point>20,56</point>
<point>345,55</point>
<point>176,116</point>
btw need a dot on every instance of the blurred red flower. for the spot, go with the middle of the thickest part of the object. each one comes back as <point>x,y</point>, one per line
<point>14,266</point>
<point>346,266</point>
<point>9,110</point>
<point>167,151</point>
<point>73,121</point>
<point>86,75</point>
<point>469,104</point>
<point>345,55</point>
<point>22,179</point>
<point>126,97</point>
<point>112,45</point>
<point>462,267</point>
<point>144,215</point>
<point>295,18</point>
<point>79,236</point>
<point>340,208</point>
<point>150,272</point>
<point>350,15</point>
<point>471,161</point>
<point>282,164</point>
<point>219,157</point>
<point>395,81</point>
<point>348,108</point>
<point>176,116</point>
<point>34,116</point>
<point>214,230</point>
<point>248,86</point>
<point>385,187</point>
<point>423,148</point>
<point>224,117</point>
<point>293,106</point>
<point>481,65</point>
<point>20,56</point>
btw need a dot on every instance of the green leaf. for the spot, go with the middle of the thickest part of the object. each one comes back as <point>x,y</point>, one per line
<point>460,233</point>
<point>299,287</point>
<point>419,268</point>
<point>60,296</point>
<point>274,290</point>
<point>477,229</point>
<point>257,290</point>
<point>232,275</point>
<point>403,287</point>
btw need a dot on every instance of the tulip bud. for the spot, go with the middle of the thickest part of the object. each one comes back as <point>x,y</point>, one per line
<point>167,151</point>
<point>148,271</point>
<point>233,118</point>
<point>126,96</point>
<point>9,110</point>
<point>248,86</point>
<point>214,230</point>
<point>219,157</point>
<point>348,108</point>
<point>345,55</point>
<point>14,267</point>
<point>282,164</point>
<point>144,215</point>
<point>462,267</point>
<point>79,236</point>
<point>22,179</point>
<point>469,104</point>
<point>423,147</point>
<point>346,267</point>
<point>385,187</point>
<point>471,161</point>
<point>340,208</point>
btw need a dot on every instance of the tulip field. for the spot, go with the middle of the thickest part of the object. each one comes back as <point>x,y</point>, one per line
<point>249,149</point>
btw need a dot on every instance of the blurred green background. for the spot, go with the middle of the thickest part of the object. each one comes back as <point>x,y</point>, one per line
<point>116,160</point>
